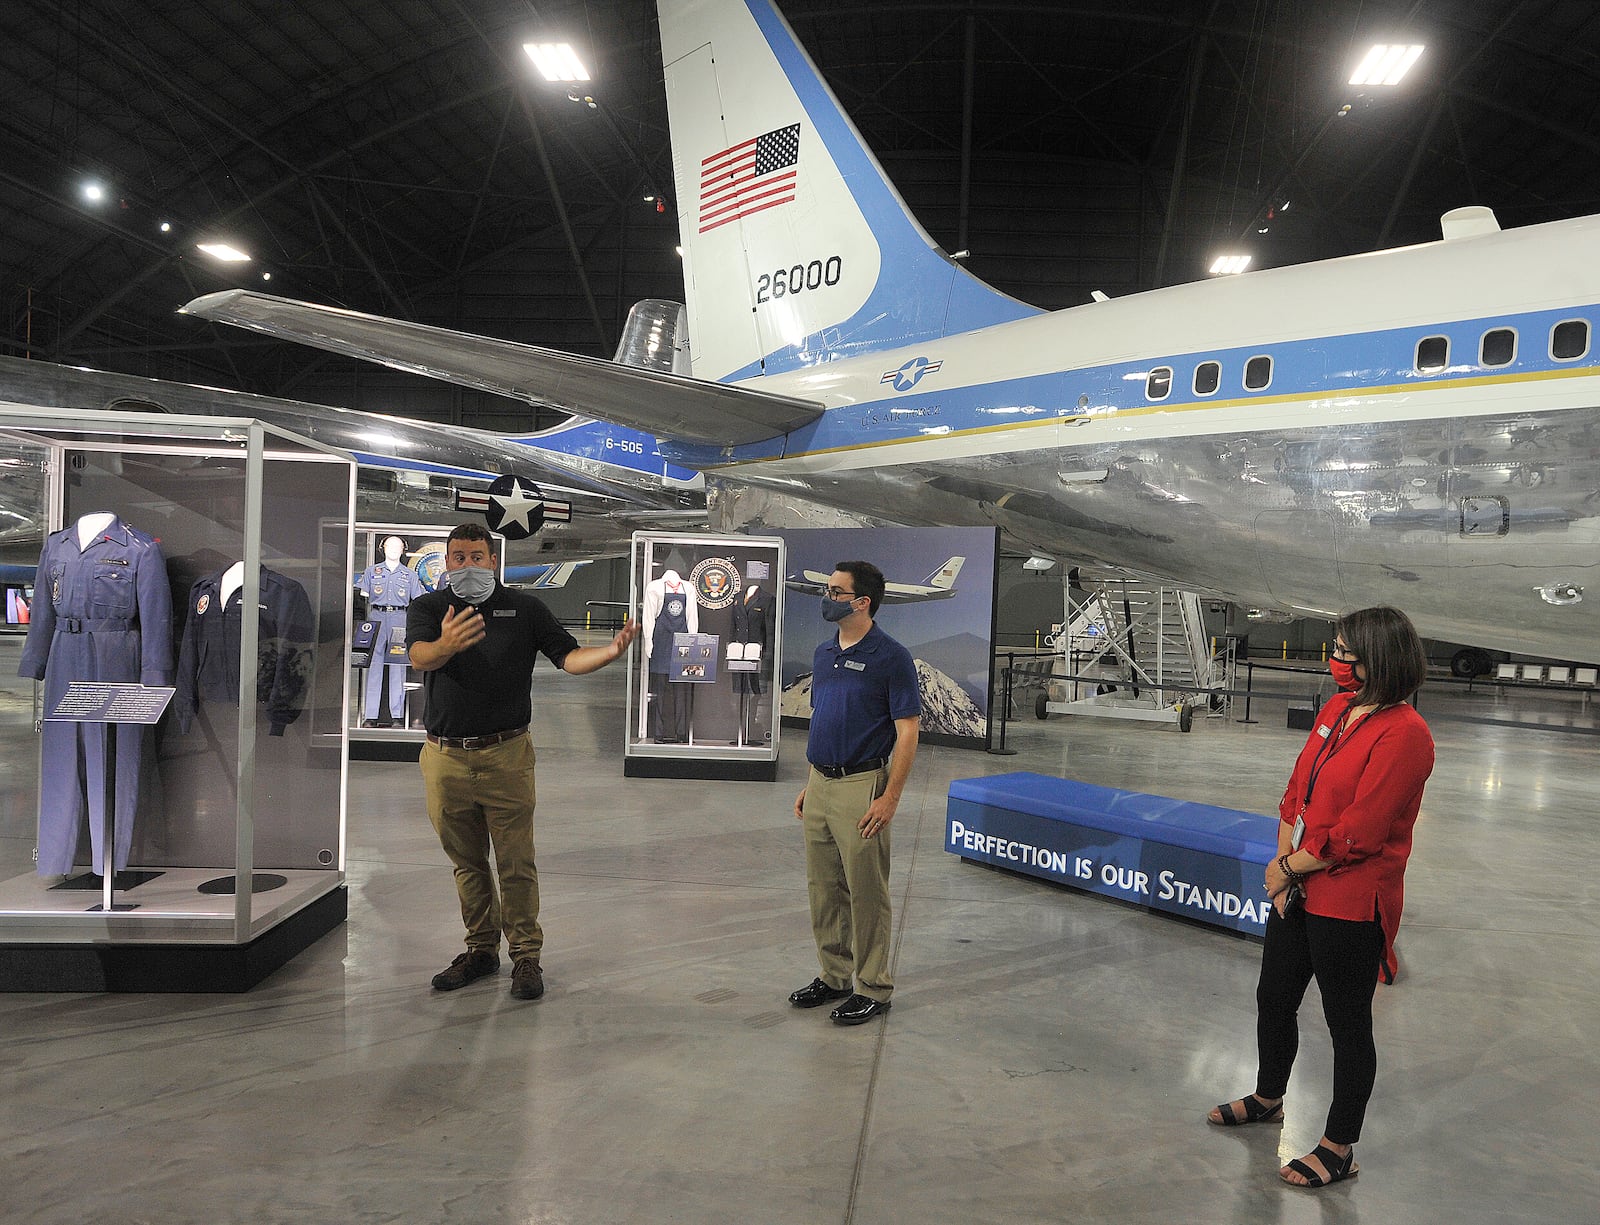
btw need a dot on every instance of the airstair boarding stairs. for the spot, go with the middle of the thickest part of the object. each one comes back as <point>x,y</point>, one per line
<point>1132,650</point>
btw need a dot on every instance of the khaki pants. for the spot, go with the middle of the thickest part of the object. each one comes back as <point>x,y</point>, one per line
<point>478,799</point>
<point>847,877</point>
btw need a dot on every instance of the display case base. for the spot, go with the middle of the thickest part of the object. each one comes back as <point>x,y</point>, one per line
<point>385,750</point>
<point>722,769</point>
<point>198,968</point>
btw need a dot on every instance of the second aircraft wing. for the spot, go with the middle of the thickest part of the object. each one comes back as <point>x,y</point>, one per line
<point>666,405</point>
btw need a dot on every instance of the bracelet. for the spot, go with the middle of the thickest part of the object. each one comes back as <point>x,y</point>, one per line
<point>1295,878</point>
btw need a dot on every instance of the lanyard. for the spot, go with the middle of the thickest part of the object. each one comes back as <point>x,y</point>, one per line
<point>1330,746</point>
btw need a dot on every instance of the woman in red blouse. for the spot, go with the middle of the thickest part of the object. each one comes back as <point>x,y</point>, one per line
<point>1337,885</point>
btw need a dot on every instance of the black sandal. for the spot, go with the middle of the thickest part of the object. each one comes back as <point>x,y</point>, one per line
<point>1339,1168</point>
<point>1255,1111</point>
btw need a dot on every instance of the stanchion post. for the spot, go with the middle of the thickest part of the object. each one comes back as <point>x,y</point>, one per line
<point>1249,679</point>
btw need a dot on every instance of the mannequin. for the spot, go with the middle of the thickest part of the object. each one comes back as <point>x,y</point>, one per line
<point>232,579</point>
<point>389,587</point>
<point>754,618</point>
<point>669,608</point>
<point>92,525</point>
<point>103,612</point>
<point>208,659</point>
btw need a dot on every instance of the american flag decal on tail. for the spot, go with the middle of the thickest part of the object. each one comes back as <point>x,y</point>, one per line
<point>749,177</point>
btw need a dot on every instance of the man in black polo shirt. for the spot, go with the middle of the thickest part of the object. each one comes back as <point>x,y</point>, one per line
<point>476,642</point>
<point>866,711</point>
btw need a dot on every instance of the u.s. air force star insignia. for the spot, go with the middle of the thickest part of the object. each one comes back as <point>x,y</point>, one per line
<point>909,375</point>
<point>514,507</point>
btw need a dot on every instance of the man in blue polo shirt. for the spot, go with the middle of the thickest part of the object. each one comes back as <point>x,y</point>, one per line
<point>865,714</point>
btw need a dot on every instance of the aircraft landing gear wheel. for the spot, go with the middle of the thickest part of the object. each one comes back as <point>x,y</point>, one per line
<point>1041,706</point>
<point>1185,717</point>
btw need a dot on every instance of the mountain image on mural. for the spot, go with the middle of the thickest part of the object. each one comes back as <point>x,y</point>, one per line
<point>962,658</point>
<point>947,709</point>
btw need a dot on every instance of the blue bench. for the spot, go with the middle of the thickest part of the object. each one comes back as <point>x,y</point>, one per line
<point>1194,860</point>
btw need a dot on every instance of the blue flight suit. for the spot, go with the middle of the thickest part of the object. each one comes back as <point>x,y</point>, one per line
<point>101,613</point>
<point>389,593</point>
<point>208,659</point>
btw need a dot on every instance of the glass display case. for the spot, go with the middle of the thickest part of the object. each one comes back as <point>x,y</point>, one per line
<point>700,695</point>
<point>145,537</point>
<point>394,563</point>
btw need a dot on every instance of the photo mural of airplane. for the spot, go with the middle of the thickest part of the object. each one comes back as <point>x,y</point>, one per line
<point>940,585</point>
<point>1414,426</point>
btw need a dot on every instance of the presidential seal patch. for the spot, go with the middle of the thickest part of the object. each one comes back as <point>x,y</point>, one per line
<point>716,582</point>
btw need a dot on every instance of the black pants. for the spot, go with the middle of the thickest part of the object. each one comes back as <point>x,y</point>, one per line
<point>1343,956</point>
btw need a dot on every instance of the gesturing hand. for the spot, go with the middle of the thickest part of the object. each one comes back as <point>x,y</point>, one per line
<point>460,629</point>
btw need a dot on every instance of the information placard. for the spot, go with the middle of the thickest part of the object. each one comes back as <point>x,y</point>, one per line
<point>110,702</point>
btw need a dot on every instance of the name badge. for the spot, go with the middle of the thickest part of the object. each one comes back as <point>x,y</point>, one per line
<point>1323,731</point>
<point>1299,831</point>
<point>855,665</point>
<point>504,612</point>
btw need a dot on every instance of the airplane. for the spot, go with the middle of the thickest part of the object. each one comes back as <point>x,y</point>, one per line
<point>615,479</point>
<point>940,585</point>
<point>1417,426</point>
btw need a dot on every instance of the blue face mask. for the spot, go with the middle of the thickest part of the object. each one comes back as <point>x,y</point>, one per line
<point>473,584</point>
<point>837,610</point>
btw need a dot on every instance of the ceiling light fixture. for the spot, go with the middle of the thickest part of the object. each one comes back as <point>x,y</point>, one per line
<point>556,61</point>
<point>1386,63</point>
<point>222,251</point>
<point>166,227</point>
<point>1229,265</point>
<point>94,192</point>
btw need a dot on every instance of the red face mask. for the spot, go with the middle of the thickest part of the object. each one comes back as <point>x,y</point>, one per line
<point>1344,674</point>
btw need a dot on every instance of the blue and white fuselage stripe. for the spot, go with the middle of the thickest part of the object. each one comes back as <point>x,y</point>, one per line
<point>1311,369</point>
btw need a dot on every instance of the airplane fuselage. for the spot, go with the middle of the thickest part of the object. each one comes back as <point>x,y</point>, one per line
<point>1409,435</point>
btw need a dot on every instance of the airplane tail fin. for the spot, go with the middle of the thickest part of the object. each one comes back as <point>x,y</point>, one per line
<point>797,249</point>
<point>945,576</point>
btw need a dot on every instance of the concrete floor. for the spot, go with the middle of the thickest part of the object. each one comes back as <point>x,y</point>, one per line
<point>1050,1055</point>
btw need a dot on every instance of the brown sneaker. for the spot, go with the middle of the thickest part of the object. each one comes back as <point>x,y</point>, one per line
<point>527,980</point>
<point>467,968</point>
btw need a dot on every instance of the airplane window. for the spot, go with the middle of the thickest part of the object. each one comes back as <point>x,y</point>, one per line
<point>1569,339</point>
<point>1257,373</point>
<point>1207,377</point>
<point>1498,347</point>
<point>1158,383</point>
<point>1433,354</point>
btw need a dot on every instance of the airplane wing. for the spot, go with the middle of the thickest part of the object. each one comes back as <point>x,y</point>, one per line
<point>667,405</point>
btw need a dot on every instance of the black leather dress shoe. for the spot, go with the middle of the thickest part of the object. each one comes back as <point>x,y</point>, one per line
<point>858,1010</point>
<point>817,994</point>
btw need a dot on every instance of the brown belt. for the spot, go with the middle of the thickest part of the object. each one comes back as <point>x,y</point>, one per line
<point>477,742</point>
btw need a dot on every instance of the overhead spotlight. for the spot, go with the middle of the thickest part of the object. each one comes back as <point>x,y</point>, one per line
<point>222,251</point>
<point>1229,265</point>
<point>649,199</point>
<point>266,276</point>
<point>1386,63</point>
<point>1262,230</point>
<point>1284,207</point>
<point>94,193</point>
<point>556,61</point>
<point>166,227</point>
